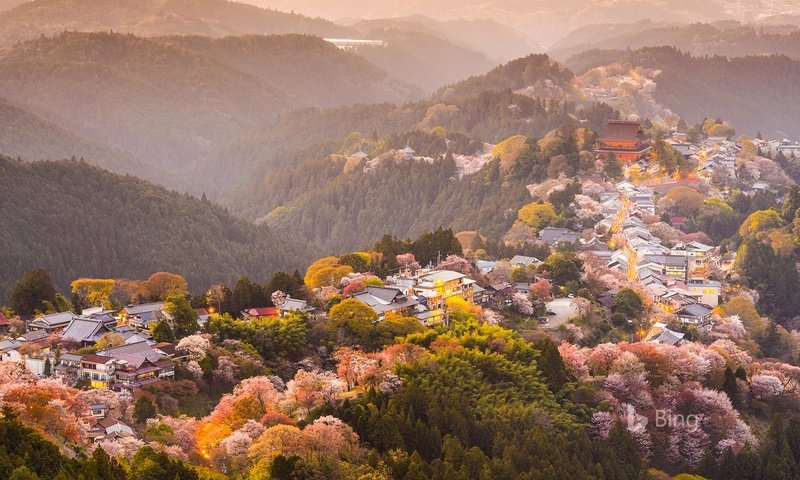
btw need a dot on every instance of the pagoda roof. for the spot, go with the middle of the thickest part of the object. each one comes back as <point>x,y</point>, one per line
<point>623,131</point>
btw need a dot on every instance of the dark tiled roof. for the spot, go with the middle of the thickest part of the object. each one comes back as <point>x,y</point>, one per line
<point>622,131</point>
<point>94,358</point>
<point>143,308</point>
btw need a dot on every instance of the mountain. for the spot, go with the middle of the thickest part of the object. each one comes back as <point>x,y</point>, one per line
<point>275,146</point>
<point>755,93</point>
<point>498,41</point>
<point>543,21</point>
<point>24,135</point>
<point>723,38</point>
<point>214,18</point>
<point>427,61</point>
<point>538,72</point>
<point>306,70</point>
<point>76,220</point>
<point>171,100</point>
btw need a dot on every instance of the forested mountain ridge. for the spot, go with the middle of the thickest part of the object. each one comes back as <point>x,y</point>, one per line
<point>755,93</point>
<point>536,71</point>
<point>27,136</point>
<point>422,59</point>
<point>170,100</point>
<point>150,18</point>
<point>76,220</point>
<point>309,71</point>
<point>498,41</point>
<point>730,39</point>
<point>274,146</point>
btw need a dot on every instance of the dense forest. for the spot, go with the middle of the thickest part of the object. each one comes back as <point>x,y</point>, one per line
<point>342,202</point>
<point>755,93</point>
<point>530,71</point>
<point>25,135</point>
<point>149,18</point>
<point>76,220</point>
<point>168,101</point>
<point>490,115</point>
<point>276,146</point>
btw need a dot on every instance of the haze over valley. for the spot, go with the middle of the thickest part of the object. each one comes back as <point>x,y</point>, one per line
<point>308,239</point>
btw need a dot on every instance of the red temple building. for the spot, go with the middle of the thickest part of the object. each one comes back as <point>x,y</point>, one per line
<point>625,140</point>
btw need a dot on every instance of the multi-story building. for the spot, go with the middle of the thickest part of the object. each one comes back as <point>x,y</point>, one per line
<point>439,285</point>
<point>697,257</point>
<point>623,139</point>
<point>127,367</point>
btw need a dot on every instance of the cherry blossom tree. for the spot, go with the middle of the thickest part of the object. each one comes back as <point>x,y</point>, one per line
<point>522,303</point>
<point>194,346</point>
<point>765,386</point>
<point>541,291</point>
<point>730,328</point>
<point>573,332</point>
<point>353,288</point>
<point>407,262</point>
<point>575,359</point>
<point>15,373</point>
<point>226,370</point>
<point>308,390</point>
<point>125,447</point>
<point>601,425</point>
<point>602,356</point>
<point>331,437</point>
<point>491,317</point>
<point>194,368</point>
<point>390,383</point>
<point>354,366</point>
<point>687,443</point>
<point>733,355</point>
<point>279,439</point>
<point>278,298</point>
<point>456,264</point>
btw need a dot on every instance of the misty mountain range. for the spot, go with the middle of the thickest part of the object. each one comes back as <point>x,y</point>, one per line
<point>241,103</point>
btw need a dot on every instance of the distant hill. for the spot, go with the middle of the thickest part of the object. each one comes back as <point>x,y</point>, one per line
<point>500,42</point>
<point>543,21</point>
<point>76,220</point>
<point>730,39</point>
<point>170,100</point>
<point>582,62</point>
<point>24,135</point>
<point>490,115</point>
<point>756,93</point>
<point>424,60</point>
<point>306,70</point>
<point>535,71</point>
<point>215,18</point>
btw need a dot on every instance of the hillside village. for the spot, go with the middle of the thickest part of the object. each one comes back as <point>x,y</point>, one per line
<point>631,267</point>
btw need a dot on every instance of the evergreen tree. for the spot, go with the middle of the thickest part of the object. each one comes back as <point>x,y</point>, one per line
<point>730,386</point>
<point>184,317</point>
<point>162,332</point>
<point>32,292</point>
<point>143,409</point>
<point>612,167</point>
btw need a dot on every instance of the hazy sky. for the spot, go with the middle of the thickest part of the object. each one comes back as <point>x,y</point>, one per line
<point>542,20</point>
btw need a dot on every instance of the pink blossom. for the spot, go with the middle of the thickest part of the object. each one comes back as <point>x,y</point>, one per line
<point>765,386</point>
<point>601,424</point>
<point>194,346</point>
<point>575,359</point>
